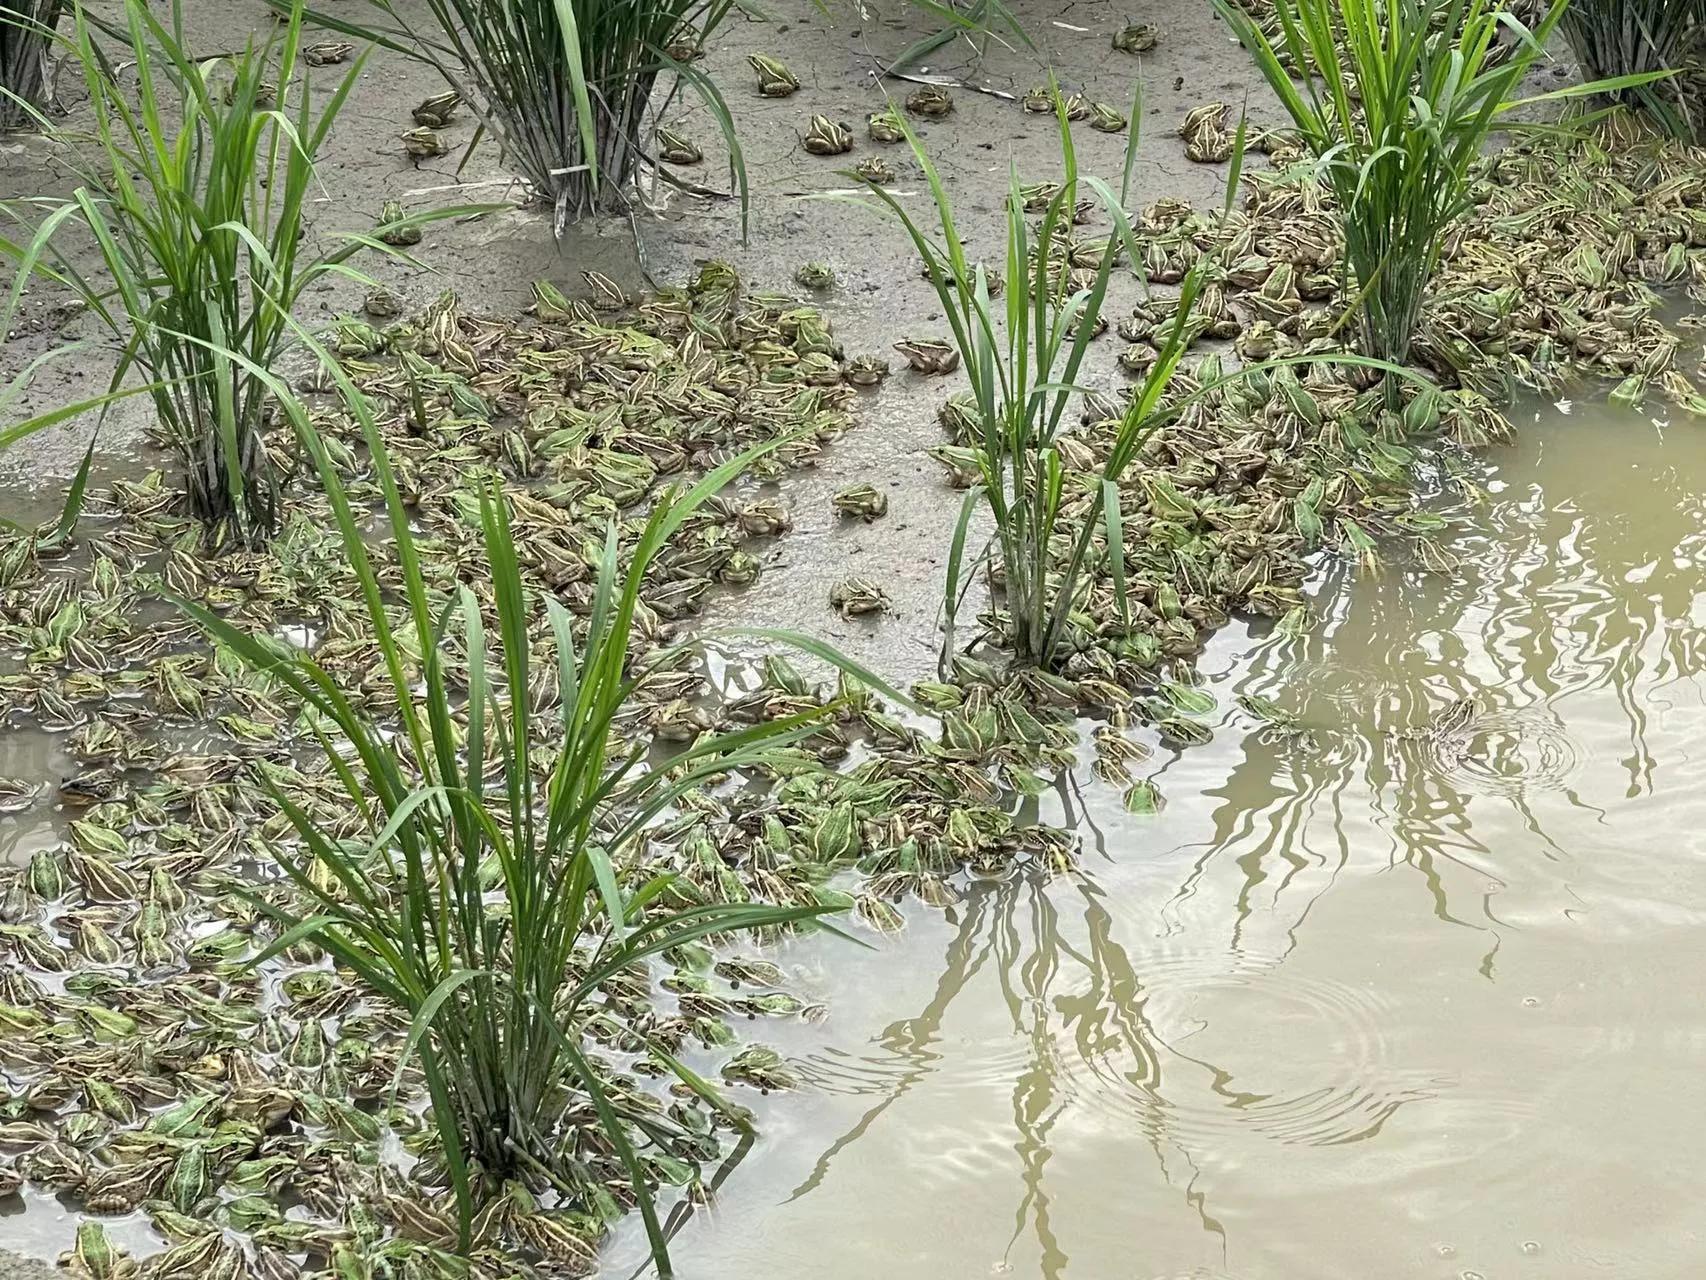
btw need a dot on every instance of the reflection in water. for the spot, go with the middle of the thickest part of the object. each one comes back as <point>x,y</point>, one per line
<point>1071,1009</point>
<point>1390,995</point>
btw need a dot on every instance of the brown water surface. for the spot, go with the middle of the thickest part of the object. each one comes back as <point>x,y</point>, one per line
<point>1361,1002</point>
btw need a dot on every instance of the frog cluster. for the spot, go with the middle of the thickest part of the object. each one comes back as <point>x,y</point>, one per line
<point>1557,267</point>
<point>250,1112</point>
<point>1557,272</point>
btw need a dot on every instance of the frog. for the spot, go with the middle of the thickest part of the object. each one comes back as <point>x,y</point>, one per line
<point>874,169</point>
<point>1037,196</point>
<point>90,787</point>
<point>1455,719</point>
<point>327,53</point>
<point>1105,118</point>
<point>1182,731</point>
<point>930,101</point>
<point>740,570</point>
<point>1038,99</point>
<point>675,149</point>
<point>885,126</point>
<point>817,369</point>
<point>815,275</point>
<point>764,517</point>
<point>94,1257</point>
<point>1259,340</point>
<point>823,137</point>
<point>1137,358</point>
<point>1205,135</point>
<point>266,95</point>
<point>679,721</point>
<point>774,78</point>
<point>568,1244</point>
<point>122,1188</point>
<point>391,212</point>
<point>607,295</point>
<point>855,596</point>
<point>550,302</point>
<point>16,795</point>
<point>929,355</point>
<point>353,337</point>
<point>864,501</point>
<point>750,971</point>
<point>1136,37</point>
<point>1453,722</point>
<point>865,371</point>
<point>423,143</point>
<point>1267,711</point>
<point>435,112</point>
<point>381,304</point>
<point>759,1066</point>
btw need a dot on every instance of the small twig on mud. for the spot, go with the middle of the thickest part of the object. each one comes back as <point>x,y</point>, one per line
<point>682,184</point>
<point>881,72</point>
<point>462,186</point>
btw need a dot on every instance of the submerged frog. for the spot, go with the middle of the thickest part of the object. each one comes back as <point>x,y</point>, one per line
<point>1182,731</point>
<point>1450,734</point>
<point>761,1067</point>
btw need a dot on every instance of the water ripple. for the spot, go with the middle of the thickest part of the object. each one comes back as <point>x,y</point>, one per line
<point>1509,753</point>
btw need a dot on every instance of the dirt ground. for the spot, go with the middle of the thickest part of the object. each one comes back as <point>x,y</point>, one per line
<point>879,298</point>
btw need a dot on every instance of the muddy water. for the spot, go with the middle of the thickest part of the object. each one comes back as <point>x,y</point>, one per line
<point>1356,1003</point>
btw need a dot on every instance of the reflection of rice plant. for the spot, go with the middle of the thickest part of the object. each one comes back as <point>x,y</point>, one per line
<point>565,85</point>
<point>26,31</point>
<point>1402,100</point>
<point>483,896</point>
<point>1620,37</point>
<point>194,197</point>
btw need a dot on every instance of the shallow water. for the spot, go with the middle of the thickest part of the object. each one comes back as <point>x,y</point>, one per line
<point>1355,1004</point>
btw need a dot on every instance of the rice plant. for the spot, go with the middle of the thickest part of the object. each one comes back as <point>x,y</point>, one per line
<point>978,23</point>
<point>489,897</point>
<point>1402,99</point>
<point>1621,37</point>
<point>566,86</point>
<point>1024,362</point>
<point>26,34</point>
<point>194,194</point>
